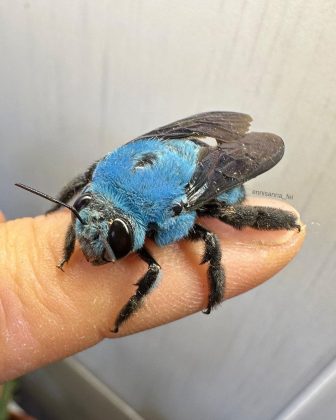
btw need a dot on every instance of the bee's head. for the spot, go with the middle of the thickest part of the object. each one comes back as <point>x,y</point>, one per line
<point>106,234</point>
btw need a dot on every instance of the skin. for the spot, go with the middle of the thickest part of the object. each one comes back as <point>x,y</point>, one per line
<point>46,315</point>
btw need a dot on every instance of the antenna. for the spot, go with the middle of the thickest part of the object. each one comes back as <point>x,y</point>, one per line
<point>54,200</point>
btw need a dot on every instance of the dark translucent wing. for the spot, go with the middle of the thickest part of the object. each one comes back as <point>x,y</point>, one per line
<point>232,164</point>
<point>222,126</point>
<point>237,158</point>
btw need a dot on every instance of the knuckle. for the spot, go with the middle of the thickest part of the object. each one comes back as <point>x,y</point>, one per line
<point>15,286</point>
<point>20,258</point>
<point>22,266</point>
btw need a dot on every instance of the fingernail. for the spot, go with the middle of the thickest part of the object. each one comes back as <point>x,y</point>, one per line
<point>276,238</point>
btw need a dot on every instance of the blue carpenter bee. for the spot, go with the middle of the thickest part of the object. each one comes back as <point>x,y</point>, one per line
<point>158,184</point>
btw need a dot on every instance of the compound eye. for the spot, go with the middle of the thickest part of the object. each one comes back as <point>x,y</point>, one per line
<point>120,238</point>
<point>82,202</point>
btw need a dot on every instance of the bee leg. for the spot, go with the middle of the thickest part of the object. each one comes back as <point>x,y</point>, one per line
<point>257,217</point>
<point>73,187</point>
<point>69,246</point>
<point>212,255</point>
<point>145,285</point>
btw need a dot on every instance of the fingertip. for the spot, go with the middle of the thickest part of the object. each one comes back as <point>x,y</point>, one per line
<point>252,263</point>
<point>253,256</point>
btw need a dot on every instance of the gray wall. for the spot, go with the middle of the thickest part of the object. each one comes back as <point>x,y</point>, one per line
<point>78,78</point>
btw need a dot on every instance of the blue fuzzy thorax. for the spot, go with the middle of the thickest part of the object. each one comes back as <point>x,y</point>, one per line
<point>147,191</point>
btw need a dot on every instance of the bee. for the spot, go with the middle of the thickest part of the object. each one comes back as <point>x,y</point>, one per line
<point>157,185</point>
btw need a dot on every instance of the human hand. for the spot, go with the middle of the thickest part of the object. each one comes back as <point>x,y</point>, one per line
<point>47,314</point>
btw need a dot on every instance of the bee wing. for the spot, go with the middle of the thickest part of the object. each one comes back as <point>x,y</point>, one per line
<point>238,157</point>
<point>222,126</point>
<point>232,164</point>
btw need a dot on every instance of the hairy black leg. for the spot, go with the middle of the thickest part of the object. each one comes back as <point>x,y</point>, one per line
<point>212,255</point>
<point>145,284</point>
<point>257,217</point>
<point>69,245</point>
<point>73,187</point>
